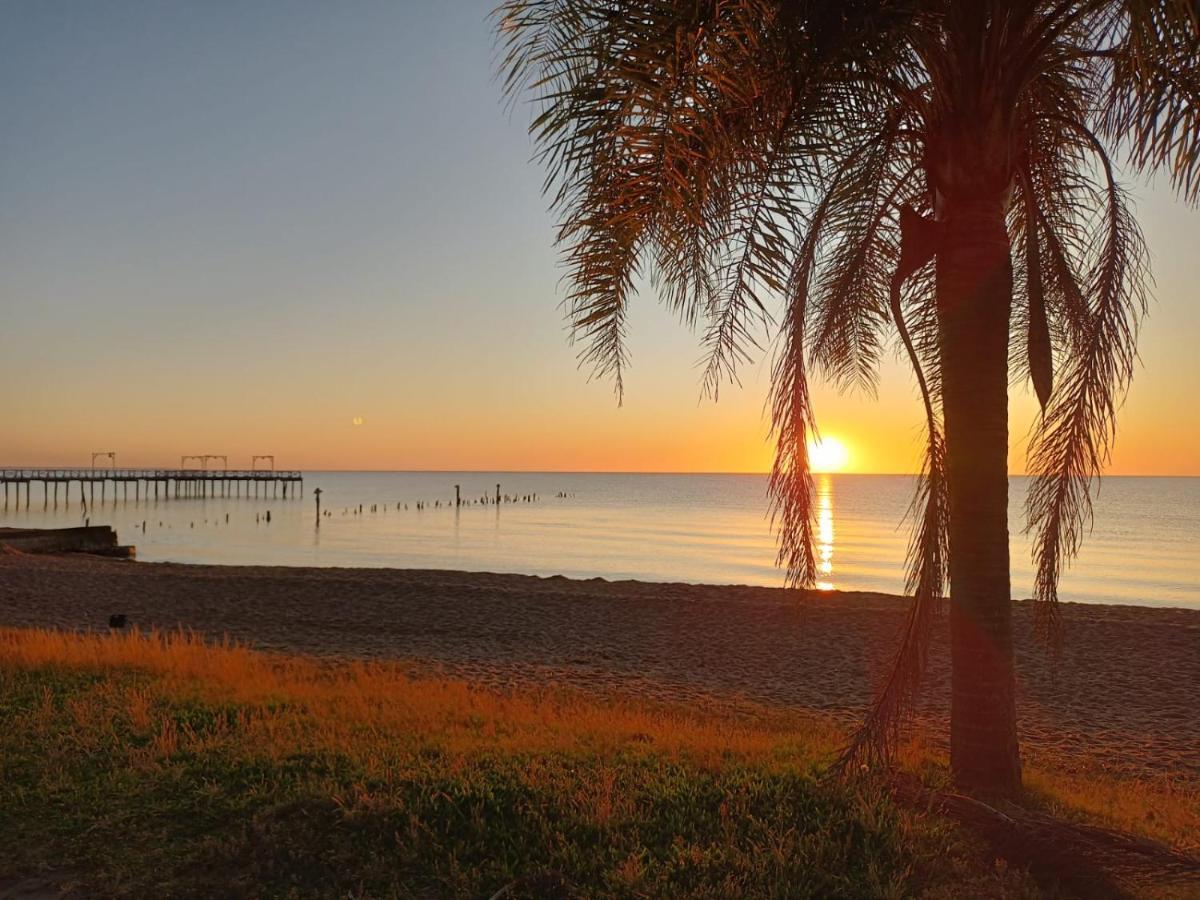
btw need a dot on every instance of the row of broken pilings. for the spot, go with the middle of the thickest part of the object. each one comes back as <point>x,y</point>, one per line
<point>497,500</point>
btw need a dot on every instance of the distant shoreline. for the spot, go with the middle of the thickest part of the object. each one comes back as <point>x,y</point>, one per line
<point>1123,700</point>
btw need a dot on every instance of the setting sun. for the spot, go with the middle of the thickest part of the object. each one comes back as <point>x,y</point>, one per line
<point>827,455</point>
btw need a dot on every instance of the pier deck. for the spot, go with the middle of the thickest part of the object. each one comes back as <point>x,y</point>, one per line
<point>151,483</point>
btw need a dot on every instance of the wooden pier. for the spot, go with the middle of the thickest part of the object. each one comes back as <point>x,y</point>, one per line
<point>150,484</point>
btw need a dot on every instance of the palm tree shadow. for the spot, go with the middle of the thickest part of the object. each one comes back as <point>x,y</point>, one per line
<point>1080,859</point>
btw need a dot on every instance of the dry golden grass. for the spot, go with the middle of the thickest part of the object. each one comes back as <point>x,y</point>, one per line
<point>361,710</point>
<point>351,705</point>
<point>1165,809</point>
<point>218,770</point>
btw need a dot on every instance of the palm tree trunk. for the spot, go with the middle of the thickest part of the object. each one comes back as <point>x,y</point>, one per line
<point>974,292</point>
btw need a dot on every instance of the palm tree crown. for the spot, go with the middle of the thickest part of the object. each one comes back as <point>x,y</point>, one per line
<point>795,167</point>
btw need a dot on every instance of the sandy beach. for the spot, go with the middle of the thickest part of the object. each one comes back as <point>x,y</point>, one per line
<point>1122,698</point>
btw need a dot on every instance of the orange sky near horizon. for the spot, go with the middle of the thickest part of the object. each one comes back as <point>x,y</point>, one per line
<point>235,231</point>
<point>690,438</point>
<point>555,420</point>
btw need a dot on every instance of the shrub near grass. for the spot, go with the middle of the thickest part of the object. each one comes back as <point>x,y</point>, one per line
<point>151,765</point>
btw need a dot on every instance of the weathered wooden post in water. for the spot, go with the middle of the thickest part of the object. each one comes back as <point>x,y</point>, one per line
<point>457,498</point>
<point>317,494</point>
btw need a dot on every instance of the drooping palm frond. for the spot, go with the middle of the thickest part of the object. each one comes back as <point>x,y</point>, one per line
<point>790,488</point>
<point>1054,193</point>
<point>1148,68</point>
<point>641,110</point>
<point>849,310</point>
<point>760,229</point>
<point>1072,443</point>
<point>1082,277</point>
<point>680,139</point>
<point>879,735</point>
<point>1039,353</point>
<point>929,550</point>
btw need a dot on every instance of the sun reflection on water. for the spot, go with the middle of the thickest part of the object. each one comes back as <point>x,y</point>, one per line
<point>825,532</point>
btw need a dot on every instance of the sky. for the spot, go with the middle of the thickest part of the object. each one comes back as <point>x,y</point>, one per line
<point>239,228</point>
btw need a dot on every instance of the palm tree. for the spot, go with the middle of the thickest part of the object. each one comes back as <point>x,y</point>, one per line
<point>838,171</point>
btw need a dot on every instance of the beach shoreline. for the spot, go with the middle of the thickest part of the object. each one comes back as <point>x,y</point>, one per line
<point>1121,698</point>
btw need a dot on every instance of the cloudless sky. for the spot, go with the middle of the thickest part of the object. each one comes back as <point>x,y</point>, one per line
<point>231,227</point>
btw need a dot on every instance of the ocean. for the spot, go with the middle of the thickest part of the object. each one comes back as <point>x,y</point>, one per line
<point>1144,548</point>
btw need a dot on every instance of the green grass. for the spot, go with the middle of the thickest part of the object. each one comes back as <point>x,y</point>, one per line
<point>123,781</point>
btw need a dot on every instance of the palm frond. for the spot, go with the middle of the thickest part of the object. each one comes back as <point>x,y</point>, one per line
<point>1038,349</point>
<point>929,549</point>
<point>879,735</point>
<point>760,228</point>
<point>850,307</point>
<point>1072,442</point>
<point>622,110</point>
<point>1151,101</point>
<point>790,488</point>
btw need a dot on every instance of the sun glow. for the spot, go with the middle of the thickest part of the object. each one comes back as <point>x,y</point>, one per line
<point>827,455</point>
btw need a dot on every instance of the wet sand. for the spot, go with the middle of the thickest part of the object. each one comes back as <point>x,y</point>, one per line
<point>1124,697</point>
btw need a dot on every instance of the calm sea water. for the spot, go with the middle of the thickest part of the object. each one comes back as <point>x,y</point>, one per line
<point>1144,549</point>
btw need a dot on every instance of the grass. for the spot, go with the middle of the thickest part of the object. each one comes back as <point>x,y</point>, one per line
<point>159,765</point>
